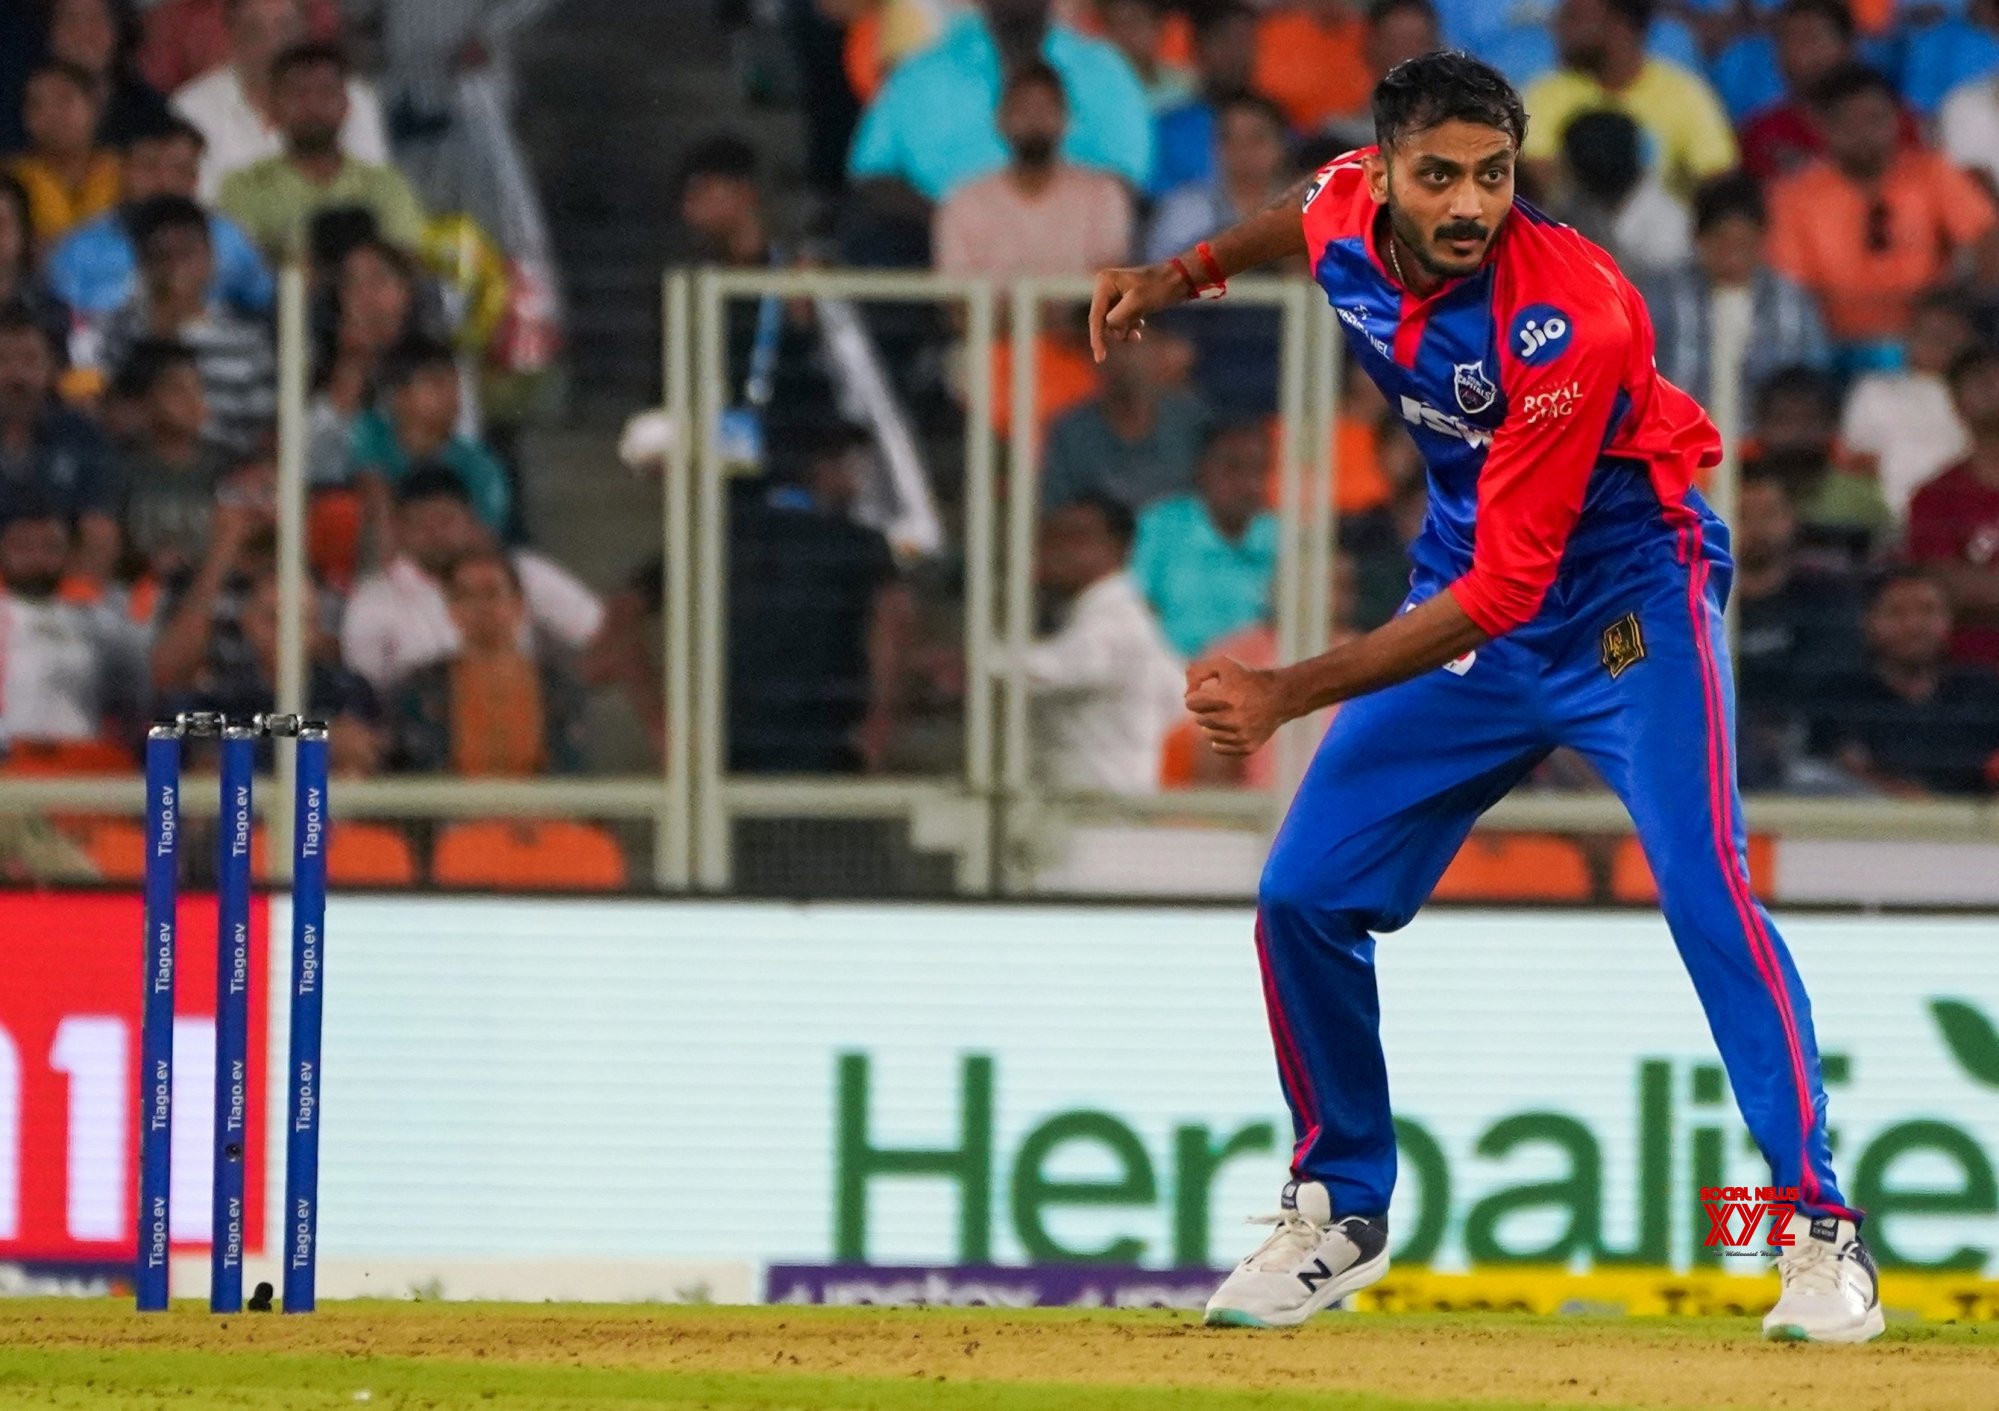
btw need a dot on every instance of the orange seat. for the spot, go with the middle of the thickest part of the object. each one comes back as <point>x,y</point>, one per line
<point>357,855</point>
<point>116,848</point>
<point>333,536</point>
<point>524,855</point>
<point>1516,867</point>
<point>1631,876</point>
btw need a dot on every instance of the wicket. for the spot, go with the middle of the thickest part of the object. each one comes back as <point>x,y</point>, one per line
<point>300,1223</point>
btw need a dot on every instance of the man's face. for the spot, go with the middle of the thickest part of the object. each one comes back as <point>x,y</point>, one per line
<point>1936,336</point>
<point>1132,369</point>
<point>1908,624</point>
<point>1808,48</point>
<point>428,401</point>
<point>309,105</point>
<point>1231,476</point>
<point>82,32</point>
<point>59,116</point>
<point>1076,549</point>
<point>1134,27</point>
<point>1447,188</point>
<point>1398,36</point>
<point>1730,250</point>
<point>435,531</point>
<point>32,554</point>
<point>1975,393</point>
<point>1795,422</point>
<point>1031,119</point>
<point>485,605</point>
<point>178,406</point>
<point>161,166</point>
<point>1766,524</point>
<point>1250,146</point>
<point>837,480</point>
<point>715,206</point>
<point>27,373</point>
<point>1583,30</point>
<point>259,29</point>
<point>1016,14</point>
<point>177,265</point>
<point>1862,131</point>
<point>1225,54</point>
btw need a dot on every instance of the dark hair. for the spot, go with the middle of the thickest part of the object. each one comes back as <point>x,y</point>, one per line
<point>16,317</point>
<point>1976,358</point>
<point>1833,12</point>
<point>1893,575</point>
<point>1635,13</point>
<point>432,480</point>
<point>415,354</point>
<point>1221,428</point>
<point>1209,18</point>
<point>826,440</point>
<point>149,360</point>
<point>1850,81</point>
<point>1380,10</point>
<point>497,557</point>
<point>33,503</point>
<point>1730,195</point>
<point>1941,299</point>
<point>1798,381</point>
<point>1263,107</point>
<point>163,213</point>
<point>81,78</point>
<point>1119,522</point>
<point>16,194</point>
<point>1448,85</point>
<point>169,127</point>
<point>336,230</point>
<point>1603,154</point>
<point>1034,74</point>
<point>724,156</point>
<point>310,55</point>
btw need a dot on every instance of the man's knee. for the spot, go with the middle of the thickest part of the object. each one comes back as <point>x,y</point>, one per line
<point>1329,896</point>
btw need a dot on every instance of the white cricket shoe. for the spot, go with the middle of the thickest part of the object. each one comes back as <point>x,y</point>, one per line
<point>1831,1292</point>
<point>1308,1264</point>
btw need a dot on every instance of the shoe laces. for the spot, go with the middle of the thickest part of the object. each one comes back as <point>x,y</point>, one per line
<point>1811,1267</point>
<point>1290,1242</point>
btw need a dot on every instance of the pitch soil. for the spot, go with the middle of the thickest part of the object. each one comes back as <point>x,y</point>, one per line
<point>98,1354</point>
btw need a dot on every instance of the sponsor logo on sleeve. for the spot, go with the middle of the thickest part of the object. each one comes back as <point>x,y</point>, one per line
<point>1540,333</point>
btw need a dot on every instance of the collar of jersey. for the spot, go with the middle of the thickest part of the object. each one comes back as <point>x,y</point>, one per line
<point>1371,239</point>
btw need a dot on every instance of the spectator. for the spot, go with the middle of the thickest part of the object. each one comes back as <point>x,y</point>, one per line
<point>1311,59</point>
<point>70,673</point>
<point>931,128</point>
<point>200,638</point>
<point>237,107</point>
<point>1105,688</point>
<point>1604,65</point>
<point>1611,197</point>
<point>1397,30</point>
<point>1039,214</point>
<point>1795,421</point>
<point>1942,51</point>
<point>818,621</point>
<point>1250,142</point>
<point>1954,519</point>
<point>99,37</point>
<point>1968,125</point>
<point>1727,280</point>
<point>50,453</point>
<point>96,268</point>
<point>1814,39</point>
<point>21,286</point>
<point>1797,630</point>
<point>1911,724</point>
<point>398,619</point>
<point>1137,28</point>
<point>239,368</point>
<point>489,710</point>
<point>172,471</point>
<point>1871,224</point>
<point>184,39</point>
<point>1138,441</point>
<point>1206,562</point>
<point>1224,50</point>
<point>67,176</point>
<point>275,198</point>
<point>1901,427</point>
<point>416,425</point>
<point>376,306</point>
<point>240,679</point>
<point>1377,541</point>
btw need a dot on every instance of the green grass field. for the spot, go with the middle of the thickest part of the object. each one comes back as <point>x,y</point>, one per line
<point>93,1356</point>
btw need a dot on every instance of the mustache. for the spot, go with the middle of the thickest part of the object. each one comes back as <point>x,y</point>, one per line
<point>1461,230</point>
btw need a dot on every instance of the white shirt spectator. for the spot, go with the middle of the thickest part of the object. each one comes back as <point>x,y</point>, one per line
<point>397,620</point>
<point>1968,125</point>
<point>238,134</point>
<point>1106,690</point>
<point>1653,231</point>
<point>66,667</point>
<point>1906,421</point>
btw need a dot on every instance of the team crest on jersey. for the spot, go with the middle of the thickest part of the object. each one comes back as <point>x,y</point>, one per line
<point>1475,390</point>
<point>1623,645</point>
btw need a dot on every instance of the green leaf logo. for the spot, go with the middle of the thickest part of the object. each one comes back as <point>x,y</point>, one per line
<point>1973,1042</point>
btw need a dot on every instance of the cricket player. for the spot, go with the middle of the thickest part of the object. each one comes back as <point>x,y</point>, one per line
<point>1568,590</point>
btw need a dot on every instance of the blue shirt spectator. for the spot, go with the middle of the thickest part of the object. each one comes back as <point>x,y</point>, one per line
<point>1519,41</point>
<point>932,123</point>
<point>1938,57</point>
<point>1183,136</point>
<point>1250,145</point>
<point>1206,561</point>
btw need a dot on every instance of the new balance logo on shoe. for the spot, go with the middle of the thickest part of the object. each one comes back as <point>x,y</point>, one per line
<point>1311,1278</point>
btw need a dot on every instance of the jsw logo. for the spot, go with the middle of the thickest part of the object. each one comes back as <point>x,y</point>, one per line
<point>1444,424</point>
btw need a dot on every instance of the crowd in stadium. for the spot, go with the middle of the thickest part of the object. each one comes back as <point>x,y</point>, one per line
<point>1819,175</point>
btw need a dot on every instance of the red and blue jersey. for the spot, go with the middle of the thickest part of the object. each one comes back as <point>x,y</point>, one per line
<point>1551,440</point>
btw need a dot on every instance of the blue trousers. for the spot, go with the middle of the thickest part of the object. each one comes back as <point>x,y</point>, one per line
<point>1402,775</point>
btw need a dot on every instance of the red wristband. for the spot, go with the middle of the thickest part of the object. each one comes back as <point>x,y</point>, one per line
<point>1216,276</point>
<point>1212,284</point>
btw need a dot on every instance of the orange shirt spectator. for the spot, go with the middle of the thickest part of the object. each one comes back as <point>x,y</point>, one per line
<point>1869,227</point>
<point>1313,62</point>
<point>184,39</point>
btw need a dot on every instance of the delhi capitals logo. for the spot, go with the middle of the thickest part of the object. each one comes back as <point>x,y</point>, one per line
<point>1475,390</point>
<point>1540,333</point>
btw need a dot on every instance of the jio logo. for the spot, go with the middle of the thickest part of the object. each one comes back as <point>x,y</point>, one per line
<point>1540,332</point>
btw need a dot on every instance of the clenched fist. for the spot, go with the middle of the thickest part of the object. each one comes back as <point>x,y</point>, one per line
<point>1238,707</point>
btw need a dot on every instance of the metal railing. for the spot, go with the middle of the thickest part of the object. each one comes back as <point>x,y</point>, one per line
<point>989,814</point>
